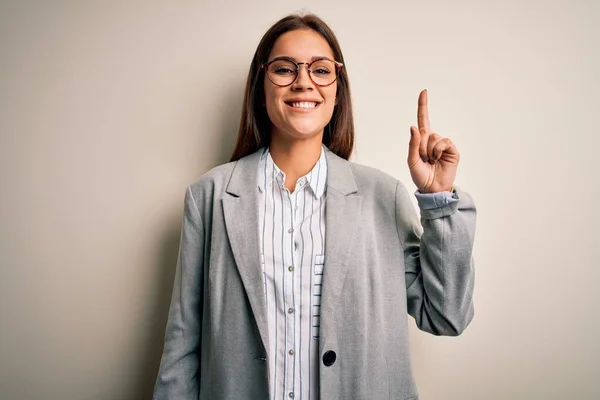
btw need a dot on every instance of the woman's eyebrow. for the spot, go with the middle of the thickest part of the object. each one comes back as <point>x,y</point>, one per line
<point>314,58</point>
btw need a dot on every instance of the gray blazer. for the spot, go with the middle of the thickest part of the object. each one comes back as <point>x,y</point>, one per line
<point>380,263</point>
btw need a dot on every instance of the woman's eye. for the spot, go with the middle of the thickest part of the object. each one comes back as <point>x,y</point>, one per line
<point>283,71</point>
<point>321,71</point>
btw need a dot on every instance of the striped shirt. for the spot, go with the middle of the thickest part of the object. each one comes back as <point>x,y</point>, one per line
<point>292,234</point>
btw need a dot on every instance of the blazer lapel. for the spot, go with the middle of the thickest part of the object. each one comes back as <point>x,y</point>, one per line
<point>343,213</point>
<point>240,208</point>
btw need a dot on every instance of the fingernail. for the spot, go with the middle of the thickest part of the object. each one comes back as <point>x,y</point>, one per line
<point>434,155</point>
<point>431,162</point>
<point>424,159</point>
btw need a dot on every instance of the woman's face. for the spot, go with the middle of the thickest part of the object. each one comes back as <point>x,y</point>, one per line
<point>302,109</point>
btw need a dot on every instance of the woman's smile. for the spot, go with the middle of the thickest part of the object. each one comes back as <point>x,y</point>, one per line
<point>302,106</point>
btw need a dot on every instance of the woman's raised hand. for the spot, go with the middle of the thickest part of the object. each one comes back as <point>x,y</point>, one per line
<point>432,159</point>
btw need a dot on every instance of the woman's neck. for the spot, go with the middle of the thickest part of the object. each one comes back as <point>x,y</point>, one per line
<point>295,158</point>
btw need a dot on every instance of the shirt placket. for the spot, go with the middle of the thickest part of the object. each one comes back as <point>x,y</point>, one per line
<point>290,295</point>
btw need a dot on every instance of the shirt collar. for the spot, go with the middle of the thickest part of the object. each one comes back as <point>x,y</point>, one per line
<point>269,172</point>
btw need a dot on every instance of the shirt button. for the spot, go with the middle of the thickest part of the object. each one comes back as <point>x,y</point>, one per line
<point>291,352</point>
<point>296,208</point>
<point>290,310</point>
<point>291,394</point>
<point>290,268</point>
<point>291,230</point>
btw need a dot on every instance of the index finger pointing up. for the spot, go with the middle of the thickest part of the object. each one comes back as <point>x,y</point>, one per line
<point>423,112</point>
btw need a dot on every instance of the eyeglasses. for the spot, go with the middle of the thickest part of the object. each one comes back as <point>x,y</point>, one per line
<point>283,71</point>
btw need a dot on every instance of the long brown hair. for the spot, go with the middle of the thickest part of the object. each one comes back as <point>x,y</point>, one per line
<point>255,126</point>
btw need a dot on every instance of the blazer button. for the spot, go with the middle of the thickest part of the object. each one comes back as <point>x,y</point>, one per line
<point>329,358</point>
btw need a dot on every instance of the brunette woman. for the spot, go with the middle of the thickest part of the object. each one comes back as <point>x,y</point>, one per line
<point>297,267</point>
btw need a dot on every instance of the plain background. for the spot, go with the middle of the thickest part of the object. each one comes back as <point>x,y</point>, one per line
<point>108,110</point>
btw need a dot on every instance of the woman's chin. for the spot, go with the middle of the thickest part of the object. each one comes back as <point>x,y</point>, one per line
<point>306,132</point>
<point>299,134</point>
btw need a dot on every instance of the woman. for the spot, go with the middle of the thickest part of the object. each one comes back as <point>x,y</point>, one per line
<point>296,266</point>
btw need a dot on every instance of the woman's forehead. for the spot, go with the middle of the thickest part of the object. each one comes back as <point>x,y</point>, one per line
<point>301,45</point>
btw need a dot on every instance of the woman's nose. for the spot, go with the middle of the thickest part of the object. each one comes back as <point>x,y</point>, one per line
<point>303,79</point>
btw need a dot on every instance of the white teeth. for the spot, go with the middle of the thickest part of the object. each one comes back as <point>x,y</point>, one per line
<point>304,104</point>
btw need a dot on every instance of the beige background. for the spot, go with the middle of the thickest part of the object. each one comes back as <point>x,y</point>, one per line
<point>108,110</point>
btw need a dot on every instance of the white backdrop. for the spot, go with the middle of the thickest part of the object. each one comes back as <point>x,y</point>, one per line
<point>108,110</point>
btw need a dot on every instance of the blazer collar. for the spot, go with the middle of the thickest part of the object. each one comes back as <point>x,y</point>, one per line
<point>244,178</point>
<point>340,176</point>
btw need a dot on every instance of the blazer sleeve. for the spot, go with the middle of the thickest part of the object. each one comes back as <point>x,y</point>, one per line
<point>179,373</point>
<point>439,268</point>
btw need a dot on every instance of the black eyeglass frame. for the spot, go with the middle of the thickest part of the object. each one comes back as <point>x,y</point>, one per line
<point>338,68</point>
